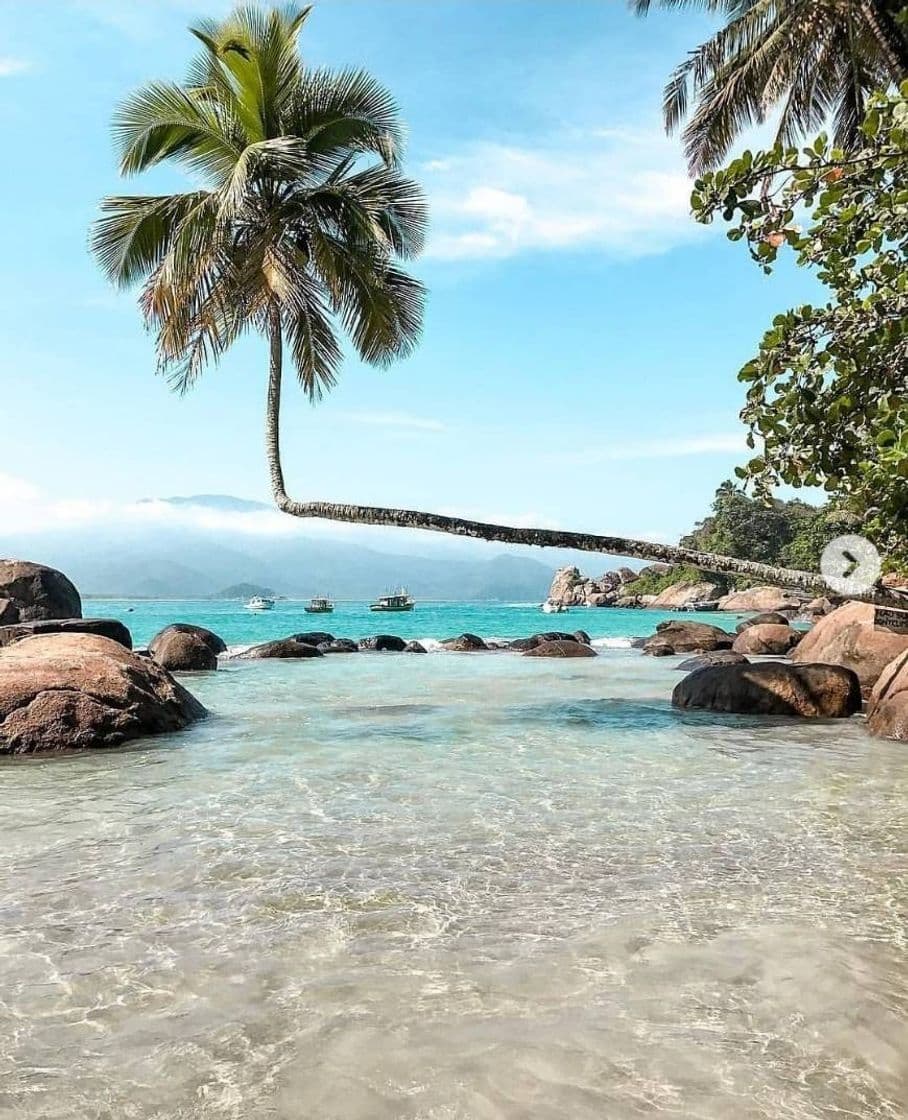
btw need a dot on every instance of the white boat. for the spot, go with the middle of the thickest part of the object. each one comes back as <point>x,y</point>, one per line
<point>260,603</point>
<point>548,607</point>
<point>398,601</point>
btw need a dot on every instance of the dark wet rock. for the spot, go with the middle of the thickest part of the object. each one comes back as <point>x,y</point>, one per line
<point>560,648</point>
<point>338,645</point>
<point>313,637</point>
<point>850,637</point>
<point>383,643</point>
<point>887,711</point>
<point>69,691</point>
<point>214,642</point>
<point>110,628</point>
<point>767,638</point>
<point>772,688</point>
<point>38,592</point>
<point>465,643</point>
<point>415,647</point>
<point>524,644</point>
<point>282,648</point>
<point>184,652</point>
<point>581,635</point>
<point>766,618</point>
<point>717,657</point>
<point>9,612</point>
<point>686,637</point>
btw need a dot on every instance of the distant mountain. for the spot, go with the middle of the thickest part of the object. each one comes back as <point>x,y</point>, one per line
<point>245,591</point>
<point>205,545</point>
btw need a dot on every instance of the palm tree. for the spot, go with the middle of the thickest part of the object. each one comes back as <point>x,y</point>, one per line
<point>296,231</point>
<point>807,60</point>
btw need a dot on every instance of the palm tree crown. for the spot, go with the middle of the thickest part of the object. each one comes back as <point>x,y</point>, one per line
<point>301,215</point>
<point>807,60</point>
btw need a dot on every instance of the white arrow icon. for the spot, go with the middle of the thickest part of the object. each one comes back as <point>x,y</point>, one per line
<point>850,565</point>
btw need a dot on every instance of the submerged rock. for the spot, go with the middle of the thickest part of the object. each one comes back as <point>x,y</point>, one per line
<point>183,652</point>
<point>383,643</point>
<point>850,637</point>
<point>772,688</point>
<point>110,628</point>
<point>282,648</point>
<point>415,647</point>
<point>465,643</point>
<point>767,638</point>
<point>38,592</point>
<point>686,637</point>
<point>717,657</point>
<point>887,711</point>
<point>338,645</point>
<point>70,691</point>
<point>214,642</point>
<point>561,649</point>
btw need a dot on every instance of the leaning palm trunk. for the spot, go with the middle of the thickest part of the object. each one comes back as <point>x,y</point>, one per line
<point>509,534</point>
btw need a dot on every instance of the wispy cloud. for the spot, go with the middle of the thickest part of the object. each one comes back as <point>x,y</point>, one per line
<point>624,191</point>
<point>10,66</point>
<point>719,443</point>
<point>394,420</point>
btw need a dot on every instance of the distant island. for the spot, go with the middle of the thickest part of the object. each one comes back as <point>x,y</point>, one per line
<point>245,591</point>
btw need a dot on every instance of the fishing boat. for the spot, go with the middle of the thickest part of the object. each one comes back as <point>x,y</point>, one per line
<point>260,603</point>
<point>321,604</point>
<point>398,601</point>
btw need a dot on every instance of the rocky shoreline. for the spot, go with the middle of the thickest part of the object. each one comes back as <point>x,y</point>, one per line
<point>68,683</point>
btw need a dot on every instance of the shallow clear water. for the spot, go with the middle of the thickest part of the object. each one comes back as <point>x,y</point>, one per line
<point>459,886</point>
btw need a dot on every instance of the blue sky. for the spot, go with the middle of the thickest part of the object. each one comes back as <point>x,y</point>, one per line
<point>583,334</point>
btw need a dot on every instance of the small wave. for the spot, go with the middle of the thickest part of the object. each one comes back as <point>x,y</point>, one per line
<point>612,643</point>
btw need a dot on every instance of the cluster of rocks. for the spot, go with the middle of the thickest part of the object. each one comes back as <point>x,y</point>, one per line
<point>616,589</point>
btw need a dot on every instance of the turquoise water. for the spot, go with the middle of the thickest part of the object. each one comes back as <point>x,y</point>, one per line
<point>435,621</point>
<point>460,887</point>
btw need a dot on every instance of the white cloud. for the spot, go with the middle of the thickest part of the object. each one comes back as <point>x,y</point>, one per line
<point>10,67</point>
<point>719,443</point>
<point>394,420</point>
<point>619,190</point>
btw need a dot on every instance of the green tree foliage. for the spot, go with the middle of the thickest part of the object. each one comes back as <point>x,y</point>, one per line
<point>827,396</point>
<point>800,62</point>
<point>299,217</point>
<point>791,534</point>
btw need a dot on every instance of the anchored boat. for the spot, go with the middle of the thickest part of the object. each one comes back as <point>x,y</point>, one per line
<point>260,603</point>
<point>319,605</point>
<point>399,601</point>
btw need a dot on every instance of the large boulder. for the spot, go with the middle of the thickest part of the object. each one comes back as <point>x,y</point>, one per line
<point>465,643</point>
<point>69,691</point>
<point>850,637</point>
<point>38,592</point>
<point>313,637</point>
<point>383,643</point>
<point>887,711</point>
<point>286,649</point>
<point>686,637</point>
<point>766,639</point>
<point>560,649</point>
<point>767,618</point>
<point>686,594</point>
<point>523,644</point>
<point>101,627</point>
<point>214,642</point>
<point>764,598</point>
<point>772,688</point>
<point>182,652</point>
